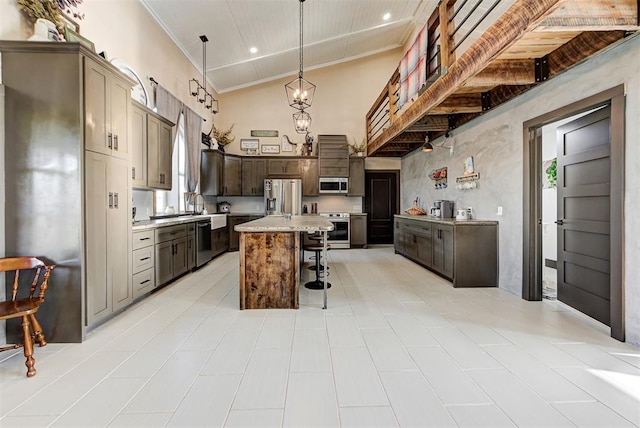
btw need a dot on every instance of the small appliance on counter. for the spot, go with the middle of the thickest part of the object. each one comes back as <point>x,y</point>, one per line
<point>462,214</point>
<point>224,207</point>
<point>442,209</point>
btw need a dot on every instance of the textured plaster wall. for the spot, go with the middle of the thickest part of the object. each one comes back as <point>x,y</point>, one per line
<point>496,143</point>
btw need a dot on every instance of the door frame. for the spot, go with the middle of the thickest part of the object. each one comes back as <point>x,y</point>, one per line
<point>367,207</point>
<point>532,200</point>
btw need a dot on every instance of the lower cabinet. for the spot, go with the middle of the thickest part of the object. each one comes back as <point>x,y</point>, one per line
<point>191,246</point>
<point>219,241</point>
<point>358,227</point>
<point>234,237</point>
<point>170,252</point>
<point>464,252</point>
<point>143,263</point>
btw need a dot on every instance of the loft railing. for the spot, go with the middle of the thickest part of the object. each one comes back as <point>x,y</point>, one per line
<point>461,22</point>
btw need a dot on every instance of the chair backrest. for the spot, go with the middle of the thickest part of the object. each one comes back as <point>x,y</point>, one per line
<point>18,264</point>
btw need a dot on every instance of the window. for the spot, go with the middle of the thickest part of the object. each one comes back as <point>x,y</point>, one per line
<point>174,197</point>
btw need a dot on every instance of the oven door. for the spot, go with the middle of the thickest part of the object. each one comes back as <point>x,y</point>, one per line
<point>340,236</point>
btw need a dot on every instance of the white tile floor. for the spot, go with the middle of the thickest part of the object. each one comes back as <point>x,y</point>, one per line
<point>398,346</point>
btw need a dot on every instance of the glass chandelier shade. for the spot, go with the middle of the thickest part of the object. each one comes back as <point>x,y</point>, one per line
<point>301,121</point>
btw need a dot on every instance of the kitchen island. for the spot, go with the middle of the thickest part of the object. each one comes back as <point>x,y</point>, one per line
<point>270,260</point>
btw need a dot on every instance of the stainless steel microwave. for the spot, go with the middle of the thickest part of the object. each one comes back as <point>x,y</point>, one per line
<point>334,185</point>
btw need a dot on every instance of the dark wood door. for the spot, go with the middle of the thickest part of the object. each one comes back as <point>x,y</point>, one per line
<point>381,203</point>
<point>584,171</point>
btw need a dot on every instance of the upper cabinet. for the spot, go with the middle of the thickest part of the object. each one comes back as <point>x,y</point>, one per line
<point>138,145</point>
<point>254,172</point>
<point>232,176</point>
<point>211,172</point>
<point>151,148</point>
<point>107,103</point>
<point>283,166</point>
<point>333,155</point>
<point>159,150</point>
<point>309,171</point>
<point>356,176</point>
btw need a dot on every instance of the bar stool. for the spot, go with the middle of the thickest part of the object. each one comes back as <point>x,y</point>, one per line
<point>317,237</point>
<point>317,284</point>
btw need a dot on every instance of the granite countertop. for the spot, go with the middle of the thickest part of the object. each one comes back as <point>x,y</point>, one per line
<point>277,223</point>
<point>451,221</point>
<point>252,214</point>
<point>152,224</point>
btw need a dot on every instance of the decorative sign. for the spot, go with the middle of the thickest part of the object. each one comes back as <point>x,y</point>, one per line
<point>286,144</point>
<point>249,144</point>
<point>263,133</point>
<point>270,148</point>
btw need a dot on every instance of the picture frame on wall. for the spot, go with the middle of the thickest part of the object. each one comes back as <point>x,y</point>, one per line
<point>73,37</point>
<point>249,144</point>
<point>270,148</point>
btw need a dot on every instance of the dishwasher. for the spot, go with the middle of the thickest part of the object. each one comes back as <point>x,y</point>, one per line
<point>203,242</point>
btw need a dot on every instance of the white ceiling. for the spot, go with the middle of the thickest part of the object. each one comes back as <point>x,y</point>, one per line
<point>334,31</point>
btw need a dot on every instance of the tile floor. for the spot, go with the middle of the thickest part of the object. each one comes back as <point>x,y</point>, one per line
<point>398,346</point>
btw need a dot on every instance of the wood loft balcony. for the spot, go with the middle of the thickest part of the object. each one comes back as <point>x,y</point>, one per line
<point>530,43</point>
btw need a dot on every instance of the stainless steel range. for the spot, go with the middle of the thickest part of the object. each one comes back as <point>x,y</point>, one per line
<point>340,236</point>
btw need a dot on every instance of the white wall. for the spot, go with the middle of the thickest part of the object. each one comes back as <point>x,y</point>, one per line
<point>495,141</point>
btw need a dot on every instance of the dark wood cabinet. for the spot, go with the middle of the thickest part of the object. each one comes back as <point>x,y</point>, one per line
<point>254,172</point>
<point>234,237</point>
<point>442,260</point>
<point>334,159</point>
<point>232,176</point>
<point>358,227</point>
<point>170,252</point>
<point>283,166</point>
<point>309,171</point>
<point>211,172</point>
<point>356,176</point>
<point>464,252</point>
<point>219,241</point>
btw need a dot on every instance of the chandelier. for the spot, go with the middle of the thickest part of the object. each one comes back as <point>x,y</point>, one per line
<point>299,91</point>
<point>200,90</point>
<point>301,122</point>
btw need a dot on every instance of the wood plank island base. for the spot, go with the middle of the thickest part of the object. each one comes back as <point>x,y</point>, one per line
<point>270,260</point>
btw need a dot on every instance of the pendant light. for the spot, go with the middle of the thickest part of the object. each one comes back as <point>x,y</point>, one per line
<point>199,90</point>
<point>300,92</point>
<point>301,122</point>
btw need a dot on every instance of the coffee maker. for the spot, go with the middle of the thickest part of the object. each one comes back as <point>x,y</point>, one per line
<point>442,209</point>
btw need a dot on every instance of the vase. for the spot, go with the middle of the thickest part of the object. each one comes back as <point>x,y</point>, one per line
<point>45,31</point>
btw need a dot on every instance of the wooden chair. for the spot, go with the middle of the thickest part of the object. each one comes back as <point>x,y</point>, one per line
<point>23,305</point>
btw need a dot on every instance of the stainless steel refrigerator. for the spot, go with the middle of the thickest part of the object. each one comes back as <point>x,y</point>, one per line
<point>283,196</point>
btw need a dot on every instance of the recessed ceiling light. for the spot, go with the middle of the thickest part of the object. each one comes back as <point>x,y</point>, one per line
<point>386,16</point>
<point>253,49</point>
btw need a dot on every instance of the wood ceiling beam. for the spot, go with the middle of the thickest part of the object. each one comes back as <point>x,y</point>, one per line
<point>592,15</point>
<point>465,103</point>
<point>409,138</point>
<point>504,72</point>
<point>580,48</point>
<point>430,123</point>
<point>520,18</point>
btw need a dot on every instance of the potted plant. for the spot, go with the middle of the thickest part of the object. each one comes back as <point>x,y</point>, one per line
<point>359,149</point>
<point>222,136</point>
<point>55,12</point>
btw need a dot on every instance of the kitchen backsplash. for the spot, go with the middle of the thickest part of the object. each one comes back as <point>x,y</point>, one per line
<point>142,200</point>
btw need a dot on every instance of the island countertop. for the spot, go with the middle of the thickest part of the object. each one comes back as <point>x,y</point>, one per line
<point>278,223</point>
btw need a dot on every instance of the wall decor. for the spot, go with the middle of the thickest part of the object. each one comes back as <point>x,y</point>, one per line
<point>287,146</point>
<point>467,182</point>
<point>270,148</point>
<point>73,37</point>
<point>263,133</point>
<point>440,177</point>
<point>138,92</point>
<point>249,143</point>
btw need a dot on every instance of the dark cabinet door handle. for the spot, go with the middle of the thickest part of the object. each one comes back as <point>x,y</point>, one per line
<point>144,239</point>
<point>115,200</point>
<point>144,258</point>
<point>115,142</point>
<point>110,199</point>
<point>559,222</point>
<point>133,173</point>
<point>110,140</point>
<point>145,281</point>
